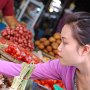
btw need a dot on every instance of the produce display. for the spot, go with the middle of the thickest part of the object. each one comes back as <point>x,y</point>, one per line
<point>50,45</point>
<point>17,52</point>
<point>20,82</point>
<point>28,59</point>
<point>50,83</point>
<point>17,43</point>
<point>22,54</point>
<point>20,36</point>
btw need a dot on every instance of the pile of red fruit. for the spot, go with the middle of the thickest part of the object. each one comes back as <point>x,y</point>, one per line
<point>22,54</point>
<point>19,36</point>
<point>49,83</point>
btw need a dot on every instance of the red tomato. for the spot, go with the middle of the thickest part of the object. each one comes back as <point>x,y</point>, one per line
<point>37,81</point>
<point>50,82</point>
<point>42,82</point>
<point>63,86</point>
<point>55,81</point>
<point>19,57</point>
<point>47,86</point>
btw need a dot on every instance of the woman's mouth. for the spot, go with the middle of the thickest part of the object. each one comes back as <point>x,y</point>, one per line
<point>59,55</point>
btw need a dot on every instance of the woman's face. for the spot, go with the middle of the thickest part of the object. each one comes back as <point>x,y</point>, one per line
<point>69,49</point>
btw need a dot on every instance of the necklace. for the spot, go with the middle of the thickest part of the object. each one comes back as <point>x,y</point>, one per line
<point>75,83</point>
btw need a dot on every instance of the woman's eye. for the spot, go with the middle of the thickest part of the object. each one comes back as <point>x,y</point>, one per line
<point>64,43</point>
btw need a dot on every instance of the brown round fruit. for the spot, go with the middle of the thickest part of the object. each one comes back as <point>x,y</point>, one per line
<point>46,43</point>
<point>43,39</point>
<point>44,50</point>
<point>37,42</point>
<point>58,41</point>
<point>51,53</point>
<point>54,45</point>
<point>52,39</point>
<point>57,36</point>
<point>49,48</point>
<point>55,51</point>
<point>41,46</point>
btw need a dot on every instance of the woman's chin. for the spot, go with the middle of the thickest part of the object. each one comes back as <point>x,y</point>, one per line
<point>63,63</point>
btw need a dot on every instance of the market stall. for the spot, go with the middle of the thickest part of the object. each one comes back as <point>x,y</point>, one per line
<point>16,46</point>
<point>11,49</point>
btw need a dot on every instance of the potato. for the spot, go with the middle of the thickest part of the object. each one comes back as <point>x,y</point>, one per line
<point>54,45</point>
<point>49,48</point>
<point>37,42</point>
<point>44,50</point>
<point>46,43</point>
<point>55,51</point>
<point>57,36</point>
<point>43,39</point>
<point>52,39</point>
<point>41,46</point>
<point>58,41</point>
<point>51,53</point>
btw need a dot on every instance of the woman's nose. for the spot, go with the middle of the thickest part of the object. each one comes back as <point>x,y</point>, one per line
<point>59,48</point>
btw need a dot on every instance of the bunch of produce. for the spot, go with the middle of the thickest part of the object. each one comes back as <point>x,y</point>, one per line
<point>21,54</point>
<point>49,46</point>
<point>20,82</point>
<point>50,83</point>
<point>17,52</point>
<point>20,36</point>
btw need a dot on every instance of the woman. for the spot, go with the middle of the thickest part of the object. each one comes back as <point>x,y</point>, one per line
<point>73,67</point>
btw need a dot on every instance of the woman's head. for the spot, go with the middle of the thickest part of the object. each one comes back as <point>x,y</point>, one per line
<point>80,24</point>
<point>75,35</point>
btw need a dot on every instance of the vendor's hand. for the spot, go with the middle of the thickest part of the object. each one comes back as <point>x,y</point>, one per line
<point>23,24</point>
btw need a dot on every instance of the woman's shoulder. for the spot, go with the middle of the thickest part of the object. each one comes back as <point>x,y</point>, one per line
<point>51,69</point>
<point>62,69</point>
<point>58,65</point>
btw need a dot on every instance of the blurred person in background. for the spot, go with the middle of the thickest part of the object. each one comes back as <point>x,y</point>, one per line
<point>7,11</point>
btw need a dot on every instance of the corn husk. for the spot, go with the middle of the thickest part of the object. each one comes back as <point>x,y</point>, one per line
<point>19,82</point>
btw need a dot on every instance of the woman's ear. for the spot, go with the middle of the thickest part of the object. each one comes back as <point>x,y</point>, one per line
<point>85,49</point>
